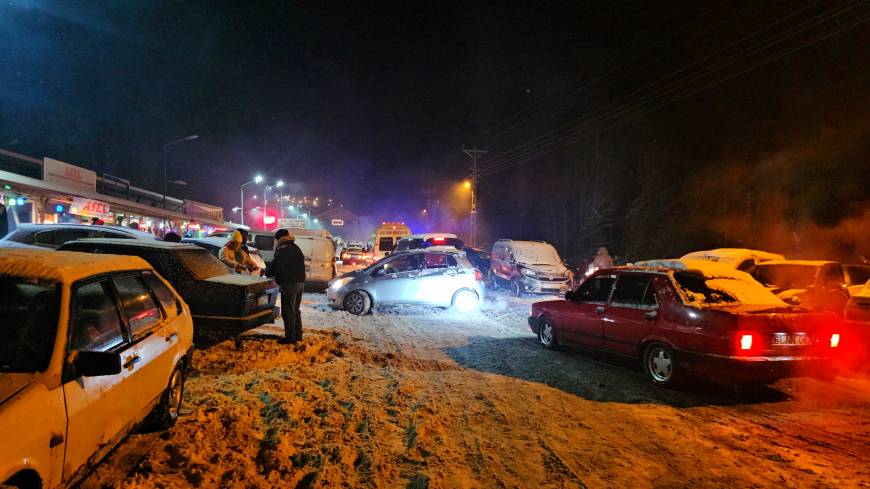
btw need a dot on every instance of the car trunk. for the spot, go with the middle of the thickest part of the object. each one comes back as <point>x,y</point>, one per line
<point>233,296</point>
<point>784,331</point>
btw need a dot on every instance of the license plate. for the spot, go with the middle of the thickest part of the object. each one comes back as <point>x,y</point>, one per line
<point>263,300</point>
<point>782,339</point>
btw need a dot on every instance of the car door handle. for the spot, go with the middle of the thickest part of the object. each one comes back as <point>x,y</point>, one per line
<point>55,440</point>
<point>599,310</point>
<point>171,337</point>
<point>651,315</point>
<point>132,361</point>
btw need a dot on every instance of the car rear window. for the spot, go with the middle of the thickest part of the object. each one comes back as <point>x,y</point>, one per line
<point>786,276</point>
<point>263,242</point>
<point>699,290</point>
<point>202,264</point>
<point>29,311</point>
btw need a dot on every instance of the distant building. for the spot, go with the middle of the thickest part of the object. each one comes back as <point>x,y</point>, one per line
<point>343,223</point>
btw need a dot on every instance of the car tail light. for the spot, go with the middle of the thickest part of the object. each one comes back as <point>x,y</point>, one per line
<point>344,256</point>
<point>835,340</point>
<point>746,342</point>
<point>479,276</point>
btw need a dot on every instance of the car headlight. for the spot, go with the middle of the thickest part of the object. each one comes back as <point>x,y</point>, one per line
<point>339,283</point>
<point>529,273</point>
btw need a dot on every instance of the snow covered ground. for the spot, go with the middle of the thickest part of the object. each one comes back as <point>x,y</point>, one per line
<point>422,397</point>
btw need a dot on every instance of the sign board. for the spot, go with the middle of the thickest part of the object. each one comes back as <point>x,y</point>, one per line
<point>198,210</point>
<point>71,176</point>
<point>296,223</point>
<point>89,208</point>
<point>337,222</point>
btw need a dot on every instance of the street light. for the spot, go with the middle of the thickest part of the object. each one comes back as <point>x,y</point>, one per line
<point>257,179</point>
<point>173,143</point>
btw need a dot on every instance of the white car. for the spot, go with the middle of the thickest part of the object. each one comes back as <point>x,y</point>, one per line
<point>92,345</point>
<point>742,259</point>
<point>318,249</point>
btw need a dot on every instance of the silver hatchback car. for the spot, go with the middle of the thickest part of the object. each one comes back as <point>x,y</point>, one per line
<point>439,276</point>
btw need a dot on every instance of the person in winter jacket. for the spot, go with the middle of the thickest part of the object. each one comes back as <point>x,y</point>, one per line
<point>602,260</point>
<point>234,256</point>
<point>288,269</point>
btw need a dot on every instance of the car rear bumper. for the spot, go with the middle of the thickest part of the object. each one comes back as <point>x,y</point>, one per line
<point>238,324</point>
<point>754,369</point>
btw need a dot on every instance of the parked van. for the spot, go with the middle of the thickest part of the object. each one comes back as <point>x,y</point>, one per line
<point>528,266</point>
<point>316,245</point>
<point>387,236</point>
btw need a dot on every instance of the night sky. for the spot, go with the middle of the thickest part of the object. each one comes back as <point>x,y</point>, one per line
<point>371,104</point>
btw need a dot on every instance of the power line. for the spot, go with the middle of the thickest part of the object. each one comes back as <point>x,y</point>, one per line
<point>569,132</point>
<point>522,159</point>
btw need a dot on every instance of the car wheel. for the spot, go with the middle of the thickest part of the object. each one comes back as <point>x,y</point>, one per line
<point>516,288</point>
<point>357,303</point>
<point>165,414</point>
<point>547,334</point>
<point>465,300</point>
<point>660,364</point>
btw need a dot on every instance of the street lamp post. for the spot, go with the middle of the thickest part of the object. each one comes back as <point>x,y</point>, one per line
<point>257,179</point>
<point>278,184</point>
<point>172,143</point>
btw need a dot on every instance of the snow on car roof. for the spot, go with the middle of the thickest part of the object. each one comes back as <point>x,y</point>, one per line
<point>133,232</point>
<point>810,263</point>
<point>717,276</point>
<point>137,243</point>
<point>732,255</point>
<point>64,266</point>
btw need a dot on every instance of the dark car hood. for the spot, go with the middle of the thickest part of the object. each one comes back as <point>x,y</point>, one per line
<point>238,279</point>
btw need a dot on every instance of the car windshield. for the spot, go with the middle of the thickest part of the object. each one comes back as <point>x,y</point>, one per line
<point>536,254</point>
<point>202,264</point>
<point>786,276</point>
<point>28,323</point>
<point>699,290</point>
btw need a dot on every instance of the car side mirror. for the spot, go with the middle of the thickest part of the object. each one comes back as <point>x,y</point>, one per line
<point>96,363</point>
<point>569,296</point>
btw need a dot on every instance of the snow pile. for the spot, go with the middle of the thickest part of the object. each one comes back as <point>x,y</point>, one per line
<point>732,256</point>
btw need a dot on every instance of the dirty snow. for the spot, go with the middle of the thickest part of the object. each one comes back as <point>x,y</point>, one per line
<point>422,397</point>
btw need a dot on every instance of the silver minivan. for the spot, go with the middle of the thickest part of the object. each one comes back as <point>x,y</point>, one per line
<point>440,276</point>
<point>319,251</point>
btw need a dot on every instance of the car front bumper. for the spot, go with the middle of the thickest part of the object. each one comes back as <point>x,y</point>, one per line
<point>754,369</point>
<point>535,286</point>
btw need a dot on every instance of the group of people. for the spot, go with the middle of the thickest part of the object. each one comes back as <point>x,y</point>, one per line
<point>287,269</point>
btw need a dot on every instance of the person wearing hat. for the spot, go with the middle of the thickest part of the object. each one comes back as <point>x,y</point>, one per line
<point>288,269</point>
<point>235,257</point>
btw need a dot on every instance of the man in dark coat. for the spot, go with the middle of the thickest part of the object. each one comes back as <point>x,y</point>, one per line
<point>288,269</point>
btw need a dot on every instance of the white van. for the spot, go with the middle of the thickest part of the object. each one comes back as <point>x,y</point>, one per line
<point>318,248</point>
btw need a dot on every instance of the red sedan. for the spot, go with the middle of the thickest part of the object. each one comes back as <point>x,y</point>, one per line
<point>689,316</point>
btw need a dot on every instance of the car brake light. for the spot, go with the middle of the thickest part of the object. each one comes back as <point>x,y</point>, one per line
<point>835,340</point>
<point>479,276</point>
<point>437,240</point>
<point>746,342</point>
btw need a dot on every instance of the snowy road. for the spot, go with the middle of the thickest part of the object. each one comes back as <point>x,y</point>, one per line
<point>421,397</point>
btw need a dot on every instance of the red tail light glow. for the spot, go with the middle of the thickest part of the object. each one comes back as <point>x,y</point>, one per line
<point>479,276</point>
<point>746,342</point>
<point>437,240</point>
<point>835,340</point>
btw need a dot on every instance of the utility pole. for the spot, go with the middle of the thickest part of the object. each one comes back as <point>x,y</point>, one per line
<point>474,154</point>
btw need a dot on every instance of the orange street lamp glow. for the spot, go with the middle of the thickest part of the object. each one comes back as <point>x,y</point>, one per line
<point>467,184</point>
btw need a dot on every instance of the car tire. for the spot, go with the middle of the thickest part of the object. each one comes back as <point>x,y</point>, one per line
<point>547,334</point>
<point>516,288</point>
<point>357,303</point>
<point>660,365</point>
<point>465,300</point>
<point>166,412</point>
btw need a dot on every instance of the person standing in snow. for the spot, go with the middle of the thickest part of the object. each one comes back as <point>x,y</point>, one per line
<point>234,256</point>
<point>602,260</point>
<point>288,269</point>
